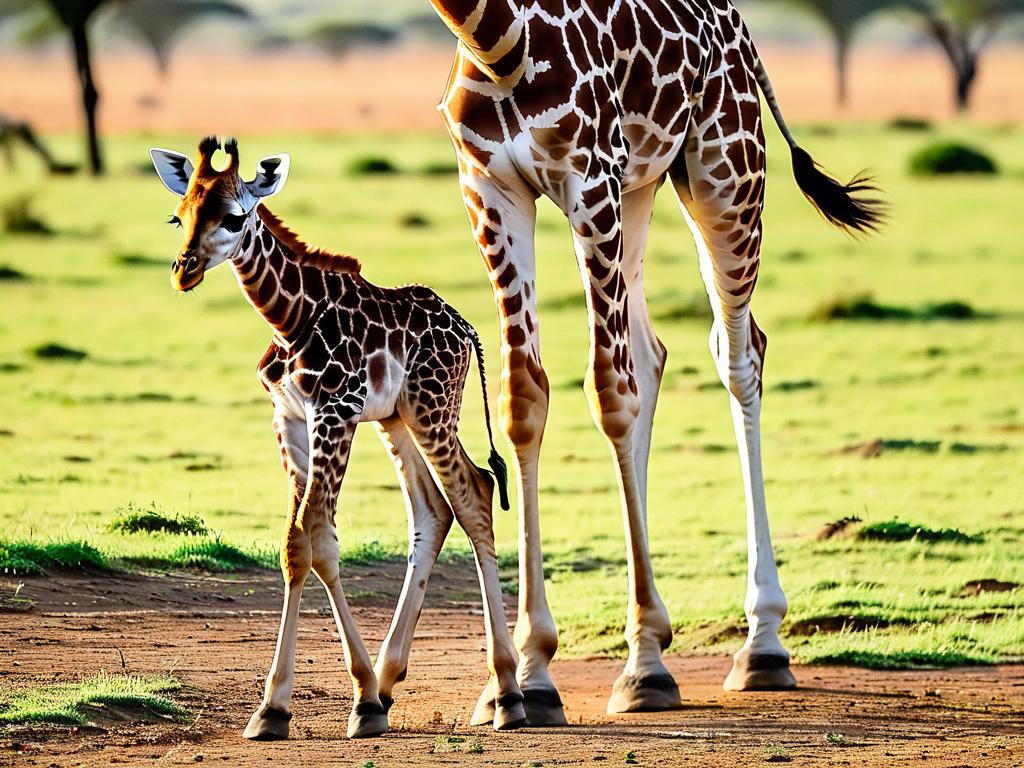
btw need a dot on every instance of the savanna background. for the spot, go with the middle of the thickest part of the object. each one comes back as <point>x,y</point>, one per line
<point>136,438</point>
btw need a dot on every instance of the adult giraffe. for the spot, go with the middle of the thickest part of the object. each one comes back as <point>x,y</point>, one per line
<point>595,103</point>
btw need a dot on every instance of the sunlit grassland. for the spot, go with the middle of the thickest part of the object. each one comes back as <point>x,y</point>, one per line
<point>166,408</point>
<point>79,703</point>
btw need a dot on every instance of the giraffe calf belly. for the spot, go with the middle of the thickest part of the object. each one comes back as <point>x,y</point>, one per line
<point>384,385</point>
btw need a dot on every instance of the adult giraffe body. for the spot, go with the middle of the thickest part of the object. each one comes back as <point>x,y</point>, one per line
<point>595,103</point>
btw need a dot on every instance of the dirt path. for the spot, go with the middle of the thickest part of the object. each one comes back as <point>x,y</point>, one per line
<point>218,636</point>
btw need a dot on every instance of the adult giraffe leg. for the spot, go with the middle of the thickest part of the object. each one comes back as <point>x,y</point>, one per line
<point>649,354</point>
<point>504,224</point>
<point>270,720</point>
<point>721,187</point>
<point>430,519</point>
<point>624,416</point>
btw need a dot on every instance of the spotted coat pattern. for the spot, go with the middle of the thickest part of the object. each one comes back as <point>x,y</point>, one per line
<point>595,104</point>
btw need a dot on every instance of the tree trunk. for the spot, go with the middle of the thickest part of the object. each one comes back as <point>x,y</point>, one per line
<point>90,97</point>
<point>842,70</point>
<point>966,75</point>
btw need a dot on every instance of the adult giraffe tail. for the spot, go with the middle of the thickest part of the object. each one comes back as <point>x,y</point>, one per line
<point>841,205</point>
<point>494,461</point>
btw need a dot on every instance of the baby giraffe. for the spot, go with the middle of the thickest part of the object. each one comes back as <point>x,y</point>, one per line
<point>346,351</point>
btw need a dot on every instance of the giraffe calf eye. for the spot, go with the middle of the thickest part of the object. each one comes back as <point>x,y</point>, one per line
<point>233,223</point>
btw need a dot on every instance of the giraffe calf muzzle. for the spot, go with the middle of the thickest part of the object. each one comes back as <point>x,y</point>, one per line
<point>187,272</point>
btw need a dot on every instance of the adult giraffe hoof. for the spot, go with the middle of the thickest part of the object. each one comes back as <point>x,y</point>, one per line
<point>268,724</point>
<point>483,713</point>
<point>657,692</point>
<point>759,672</point>
<point>367,720</point>
<point>543,708</point>
<point>510,713</point>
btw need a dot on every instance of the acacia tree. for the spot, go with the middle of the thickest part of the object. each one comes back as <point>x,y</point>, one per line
<point>160,23</point>
<point>964,29</point>
<point>842,18</point>
<point>73,18</point>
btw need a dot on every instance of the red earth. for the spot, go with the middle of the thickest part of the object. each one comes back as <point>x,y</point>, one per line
<point>217,635</point>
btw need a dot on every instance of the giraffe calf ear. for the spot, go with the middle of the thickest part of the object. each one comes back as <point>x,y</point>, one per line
<point>270,177</point>
<point>173,168</point>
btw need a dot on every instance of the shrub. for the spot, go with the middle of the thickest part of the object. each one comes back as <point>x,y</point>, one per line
<point>948,158</point>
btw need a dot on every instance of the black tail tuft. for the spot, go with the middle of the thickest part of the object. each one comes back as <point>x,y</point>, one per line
<point>842,205</point>
<point>494,461</point>
<point>500,470</point>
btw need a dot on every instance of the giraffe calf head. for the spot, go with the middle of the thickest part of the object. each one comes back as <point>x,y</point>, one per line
<point>216,205</point>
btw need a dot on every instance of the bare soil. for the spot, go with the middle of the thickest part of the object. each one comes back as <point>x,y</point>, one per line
<point>396,92</point>
<point>217,635</point>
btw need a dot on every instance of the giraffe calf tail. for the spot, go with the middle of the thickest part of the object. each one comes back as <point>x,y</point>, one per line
<point>844,206</point>
<point>497,464</point>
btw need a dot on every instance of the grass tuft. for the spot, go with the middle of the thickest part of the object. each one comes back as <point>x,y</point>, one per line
<point>55,351</point>
<point>695,307</point>
<point>414,221</point>
<point>215,556</point>
<point>864,307</point>
<point>132,519</point>
<point>372,166</point>
<point>911,124</point>
<point>443,168</point>
<point>776,753</point>
<point>367,553</point>
<point>913,659</point>
<point>138,260</point>
<point>898,530</point>
<point>75,703</point>
<point>946,158</point>
<point>23,557</point>
<point>9,274</point>
<point>17,218</point>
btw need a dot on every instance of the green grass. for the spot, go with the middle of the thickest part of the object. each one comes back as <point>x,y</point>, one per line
<point>23,557</point>
<point>204,447</point>
<point>898,530</point>
<point>77,703</point>
<point>132,519</point>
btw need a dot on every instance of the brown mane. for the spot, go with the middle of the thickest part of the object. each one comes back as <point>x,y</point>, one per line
<point>305,253</point>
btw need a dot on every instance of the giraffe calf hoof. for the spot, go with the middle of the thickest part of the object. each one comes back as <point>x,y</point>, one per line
<point>759,672</point>
<point>543,708</point>
<point>656,692</point>
<point>268,724</point>
<point>367,720</point>
<point>509,713</point>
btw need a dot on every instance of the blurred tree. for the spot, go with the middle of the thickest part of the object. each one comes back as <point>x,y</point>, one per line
<point>963,29</point>
<point>160,23</point>
<point>842,18</point>
<point>73,18</point>
<point>337,38</point>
